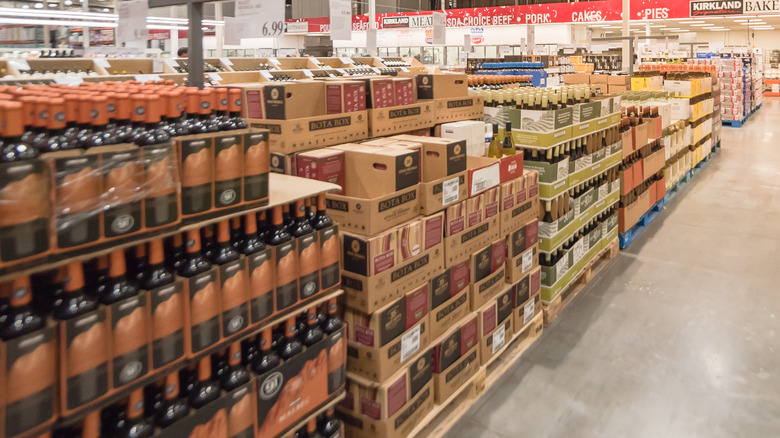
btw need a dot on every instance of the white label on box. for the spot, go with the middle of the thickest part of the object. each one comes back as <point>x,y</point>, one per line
<point>450,192</point>
<point>343,73</point>
<point>528,312</point>
<point>382,60</point>
<point>528,260</point>
<point>498,338</point>
<point>102,62</point>
<point>226,61</point>
<point>144,78</point>
<point>20,64</point>
<point>376,70</point>
<point>410,343</point>
<point>307,72</point>
<point>171,63</point>
<point>346,60</point>
<point>214,76</point>
<point>484,179</point>
<point>274,61</point>
<point>316,61</point>
<point>266,74</point>
<point>603,191</point>
<point>404,69</point>
<point>157,65</point>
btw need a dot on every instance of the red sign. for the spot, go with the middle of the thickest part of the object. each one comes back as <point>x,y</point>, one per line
<point>159,34</point>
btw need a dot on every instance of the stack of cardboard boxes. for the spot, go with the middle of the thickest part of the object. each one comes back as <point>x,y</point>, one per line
<point>607,84</point>
<point>440,270</point>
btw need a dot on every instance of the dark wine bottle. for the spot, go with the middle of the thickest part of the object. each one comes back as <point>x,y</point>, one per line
<point>135,425</point>
<point>208,241</point>
<point>311,429</point>
<point>236,232</point>
<point>312,333</point>
<point>301,225</point>
<point>194,262</point>
<point>12,147</point>
<point>116,286</point>
<point>204,391</point>
<point>267,358</point>
<point>138,263</point>
<point>224,251</point>
<point>235,375</point>
<point>332,322</point>
<point>175,252</point>
<point>277,234</point>
<point>20,318</point>
<point>321,219</point>
<point>290,345</point>
<point>158,274</point>
<point>73,301</point>
<point>251,242</point>
<point>173,408</point>
<point>328,425</point>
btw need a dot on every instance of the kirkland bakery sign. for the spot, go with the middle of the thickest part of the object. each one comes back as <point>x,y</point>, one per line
<point>734,7</point>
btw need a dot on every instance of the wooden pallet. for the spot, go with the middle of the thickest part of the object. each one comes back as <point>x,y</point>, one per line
<point>444,416</point>
<point>556,306</point>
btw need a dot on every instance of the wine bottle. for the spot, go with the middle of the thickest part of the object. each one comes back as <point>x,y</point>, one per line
<point>494,149</point>
<point>73,301</point>
<point>11,145</point>
<point>267,358</point>
<point>20,317</point>
<point>174,254</point>
<point>251,243</point>
<point>223,251</point>
<point>234,109</point>
<point>101,135</point>
<point>321,219</point>
<point>173,407</point>
<point>135,425</point>
<point>194,262</point>
<point>277,234</point>
<point>194,124</point>
<point>116,285</point>
<point>508,147</point>
<point>90,426</point>
<point>311,429</point>
<point>204,391</point>
<point>235,375</point>
<point>332,322</point>
<point>290,345</point>
<point>301,225</point>
<point>312,333</point>
<point>158,274</point>
<point>328,425</point>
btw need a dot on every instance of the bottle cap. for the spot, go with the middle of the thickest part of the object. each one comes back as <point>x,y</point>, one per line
<point>99,111</point>
<point>124,106</point>
<point>138,114</point>
<point>11,124</point>
<point>221,100</point>
<point>153,110</point>
<point>206,101</point>
<point>85,110</point>
<point>234,100</point>
<point>192,101</point>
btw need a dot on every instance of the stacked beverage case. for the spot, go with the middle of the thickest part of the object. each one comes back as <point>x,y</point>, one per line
<point>222,311</point>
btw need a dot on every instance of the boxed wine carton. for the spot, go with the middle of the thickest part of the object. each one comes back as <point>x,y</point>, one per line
<point>495,325</point>
<point>449,297</point>
<point>527,301</point>
<point>455,358</point>
<point>487,273</point>
<point>380,343</point>
<point>523,254</point>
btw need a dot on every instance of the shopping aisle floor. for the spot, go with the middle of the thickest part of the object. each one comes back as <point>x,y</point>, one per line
<point>679,335</point>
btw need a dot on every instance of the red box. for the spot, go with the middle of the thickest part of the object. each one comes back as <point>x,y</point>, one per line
<point>660,189</point>
<point>345,97</point>
<point>382,93</point>
<point>627,180</point>
<point>404,91</point>
<point>639,173</point>
<point>323,165</point>
<point>511,167</point>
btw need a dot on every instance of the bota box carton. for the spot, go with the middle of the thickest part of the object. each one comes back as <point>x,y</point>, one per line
<point>455,358</point>
<point>449,297</point>
<point>495,325</point>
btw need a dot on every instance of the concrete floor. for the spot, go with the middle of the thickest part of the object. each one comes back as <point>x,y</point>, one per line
<point>678,336</point>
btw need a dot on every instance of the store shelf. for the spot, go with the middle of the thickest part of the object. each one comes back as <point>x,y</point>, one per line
<point>283,189</point>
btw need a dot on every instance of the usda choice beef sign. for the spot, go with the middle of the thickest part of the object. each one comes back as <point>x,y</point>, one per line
<point>734,7</point>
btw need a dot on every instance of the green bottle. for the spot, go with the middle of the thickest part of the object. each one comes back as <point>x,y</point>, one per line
<point>508,146</point>
<point>494,150</point>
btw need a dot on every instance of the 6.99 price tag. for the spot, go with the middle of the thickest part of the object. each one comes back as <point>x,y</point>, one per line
<point>273,28</point>
<point>265,18</point>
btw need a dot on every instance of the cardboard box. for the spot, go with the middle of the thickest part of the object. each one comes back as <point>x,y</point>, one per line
<point>380,92</point>
<point>345,97</point>
<point>323,165</point>
<point>639,133</point>
<point>369,293</point>
<point>324,364</point>
<point>598,79</point>
<point>372,216</point>
<point>449,297</point>
<point>517,207</point>
<point>438,194</point>
<point>382,342</point>
<point>440,157</point>
<point>623,80</point>
<point>484,174</point>
<point>487,273</point>
<point>617,88</point>
<point>373,172</point>
<point>471,131</point>
<point>372,255</point>
<point>441,86</point>
<point>495,325</point>
<point>456,359</point>
<point>653,164</point>
<point>523,251</point>
<point>295,135</point>
<point>630,214</point>
<point>393,408</point>
<point>404,91</point>
<point>527,302</point>
<point>458,108</point>
<point>461,239</point>
<point>576,78</point>
<point>293,100</point>
<point>400,119</point>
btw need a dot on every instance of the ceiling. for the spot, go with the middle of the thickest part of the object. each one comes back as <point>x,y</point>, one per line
<point>742,23</point>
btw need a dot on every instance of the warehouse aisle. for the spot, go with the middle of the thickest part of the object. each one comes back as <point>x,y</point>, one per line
<point>678,335</point>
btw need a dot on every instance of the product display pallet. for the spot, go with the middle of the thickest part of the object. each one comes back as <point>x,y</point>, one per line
<point>636,230</point>
<point>556,306</point>
<point>739,123</point>
<point>444,416</point>
<point>672,192</point>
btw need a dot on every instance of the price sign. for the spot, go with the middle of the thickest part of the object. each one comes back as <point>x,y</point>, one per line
<point>132,21</point>
<point>19,64</point>
<point>346,60</point>
<point>266,16</point>
<point>307,72</point>
<point>102,62</point>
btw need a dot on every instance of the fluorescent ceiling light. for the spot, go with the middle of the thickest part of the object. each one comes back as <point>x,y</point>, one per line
<point>12,12</point>
<point>658,25</point>
<point>755,21</point>
<point>718,29</point>
<point>55,22</point>
<point>739,19</point>
<point>688,22</point>
<point>681,30</point>
<point>702,25</point>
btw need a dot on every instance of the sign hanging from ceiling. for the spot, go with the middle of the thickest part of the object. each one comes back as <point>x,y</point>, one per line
<point>705,8</point>
<point>407,21</point>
